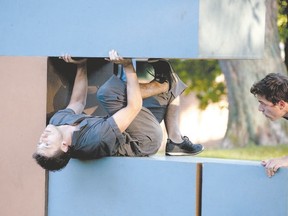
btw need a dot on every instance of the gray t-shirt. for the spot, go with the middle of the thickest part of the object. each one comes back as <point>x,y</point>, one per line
<point>97,137</point>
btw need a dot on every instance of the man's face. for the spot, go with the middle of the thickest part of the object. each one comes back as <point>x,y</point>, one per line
<point>271,111</point>
<point>50,141</point>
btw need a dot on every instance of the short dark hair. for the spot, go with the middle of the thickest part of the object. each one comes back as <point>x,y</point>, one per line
<point>274,87</point>
<point>54,163</point>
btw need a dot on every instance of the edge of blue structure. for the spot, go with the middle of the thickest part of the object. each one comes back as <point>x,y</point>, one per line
<point>123,186</point>
<point>242,188</point>
<point>93,27</point>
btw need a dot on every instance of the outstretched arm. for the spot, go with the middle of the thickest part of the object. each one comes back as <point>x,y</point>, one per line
<point>126,115</point>
<point>272,165</point>
<point>79,93</point>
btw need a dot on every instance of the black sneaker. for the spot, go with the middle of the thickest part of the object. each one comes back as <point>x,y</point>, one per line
<point>162,70</point>
<point>184,148</point>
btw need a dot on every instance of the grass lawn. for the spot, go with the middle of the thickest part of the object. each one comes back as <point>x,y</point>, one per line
<point>257,153</point>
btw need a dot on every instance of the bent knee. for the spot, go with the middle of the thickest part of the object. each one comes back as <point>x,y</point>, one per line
<point>102,93</point>
<point>112,89</point>
<point>156,138</point>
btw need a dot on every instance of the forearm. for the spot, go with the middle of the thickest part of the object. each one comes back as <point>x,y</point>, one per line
<point>80,87</point>
<point>126,115</point>
<point>134,98</point>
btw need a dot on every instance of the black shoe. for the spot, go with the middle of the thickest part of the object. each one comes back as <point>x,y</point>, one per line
<point>162,70</point>
<point>184,148</point>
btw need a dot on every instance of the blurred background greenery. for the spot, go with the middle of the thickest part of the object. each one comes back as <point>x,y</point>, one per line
<point>212,81</point>
<point>252,152</point>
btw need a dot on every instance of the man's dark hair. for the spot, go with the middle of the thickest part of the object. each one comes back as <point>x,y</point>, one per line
<point>55,163</point>
<point>274,87</point>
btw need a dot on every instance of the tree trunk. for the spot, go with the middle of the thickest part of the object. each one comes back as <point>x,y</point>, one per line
<point>246,125</point>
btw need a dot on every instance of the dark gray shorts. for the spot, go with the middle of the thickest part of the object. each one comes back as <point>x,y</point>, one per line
<point>144,135</point>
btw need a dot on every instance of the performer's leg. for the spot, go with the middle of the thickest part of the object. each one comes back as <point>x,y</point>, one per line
<point>112,95</point>
<point>172,120</point>
<point>143,136</point>
<point>169,111</point>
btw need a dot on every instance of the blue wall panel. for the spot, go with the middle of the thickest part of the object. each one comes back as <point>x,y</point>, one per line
<point>167,186</point>
<point>139,29</point>
<point>242,188</point>
<point>123,187</point>
<point>92,27</point>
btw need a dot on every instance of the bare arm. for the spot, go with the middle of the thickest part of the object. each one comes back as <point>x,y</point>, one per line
<point>79,93</point>
<point>126,115</point>
<point>272,165</point>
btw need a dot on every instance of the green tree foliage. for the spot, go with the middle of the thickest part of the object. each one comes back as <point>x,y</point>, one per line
<point>200,76</point>
<point>282,23</point>
<point>282,19</point>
